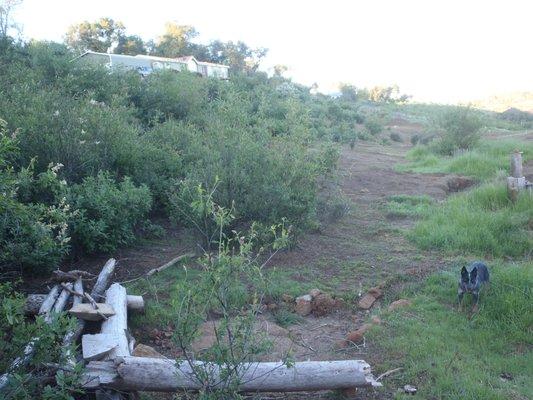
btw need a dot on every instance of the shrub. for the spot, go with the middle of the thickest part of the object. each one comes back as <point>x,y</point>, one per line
<point>461,130</point>
<point>108,212</point>
<point>396,137</point>
<point>373,126</point>
<point>415,139</point>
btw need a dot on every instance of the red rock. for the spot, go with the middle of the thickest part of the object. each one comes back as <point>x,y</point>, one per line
<point>314,292</point>
<point>142,350</point>
<point>376,292</point>
<point>323,304</point>
<point>272,306</point>
<point>303,305</point>
<point>366,301</point>
<point>349,393</point>
<point>358,335</point>
<point>399,304</point>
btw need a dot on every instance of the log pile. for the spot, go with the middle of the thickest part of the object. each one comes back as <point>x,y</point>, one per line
<point>111,369</point>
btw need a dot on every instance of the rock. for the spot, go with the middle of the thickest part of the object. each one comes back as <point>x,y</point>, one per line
<point>357,336</point>
<point>409,389</point>
<point>340,302</point>
<point>314,292</point>
<point>272,306</point>
<point>323,304</point>
<point>366,301</point>
<point>287,298</point>
<point>142,350</point>
<point>376,320</point>
<point>376,292</point>
<point>303,305</point>
<point>399,304</point>
<point>349,393</point>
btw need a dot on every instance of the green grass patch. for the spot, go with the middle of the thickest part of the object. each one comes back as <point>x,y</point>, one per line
<point>285,318</point>
<point>403,205</point>
<point>481,163</point>
<point>448,355</point>
<point>482,221</point>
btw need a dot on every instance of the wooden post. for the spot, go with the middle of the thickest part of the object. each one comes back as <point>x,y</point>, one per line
<point>516,164</point>
<point>163,375</point>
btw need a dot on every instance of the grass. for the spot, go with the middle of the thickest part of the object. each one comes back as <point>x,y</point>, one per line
<point>403,205</point>
<point>481,163</point>
<point>285,318</point>
<point>448,355</point>
<point>482,221</point>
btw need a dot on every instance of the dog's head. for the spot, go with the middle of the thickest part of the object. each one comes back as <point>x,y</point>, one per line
<point>468,279</point>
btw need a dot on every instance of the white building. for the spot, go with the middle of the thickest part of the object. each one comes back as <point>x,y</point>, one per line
<point>145,65</point>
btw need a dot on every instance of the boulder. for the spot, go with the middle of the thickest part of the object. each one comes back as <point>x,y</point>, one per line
<point>399,304</point>
<point>287,298</point>
<point>357,335</point>
<point>304,305</point>
<point>376,292</point>
<point>314,292</point>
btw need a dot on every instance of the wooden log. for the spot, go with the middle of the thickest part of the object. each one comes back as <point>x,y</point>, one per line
<point>78,288</point>
<point>61,302</point>
<point>163,375</point>
<point>34,301</point>
<point>69,276</point>
<point>49,301</point>
<point>98,346</point>
<point>169,264</point>
<point>98,291</point>
<point>118,323</point>
<point>88,312</point>
<point>516,164</point>
<point>514,186</point>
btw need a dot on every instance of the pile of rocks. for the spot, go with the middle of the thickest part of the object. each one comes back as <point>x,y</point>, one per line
<point>315,302</point>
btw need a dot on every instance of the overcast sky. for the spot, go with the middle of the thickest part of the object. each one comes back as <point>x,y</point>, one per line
<point>436,50</point>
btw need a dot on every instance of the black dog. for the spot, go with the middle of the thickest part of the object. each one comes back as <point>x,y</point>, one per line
<point>472,279</point>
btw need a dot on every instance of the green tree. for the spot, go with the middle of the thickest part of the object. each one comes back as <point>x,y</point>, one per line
<point>131,44</point>
<point>175,41</point>
<point>98,36</point>
<point>348,92</point>
<point>239,56</point>
<point>6,8</point>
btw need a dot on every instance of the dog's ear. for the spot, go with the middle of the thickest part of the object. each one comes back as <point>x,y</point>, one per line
<point>464,274</point>
<point>473,274</point>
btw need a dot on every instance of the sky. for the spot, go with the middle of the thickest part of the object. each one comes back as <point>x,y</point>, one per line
<point>435,50</point>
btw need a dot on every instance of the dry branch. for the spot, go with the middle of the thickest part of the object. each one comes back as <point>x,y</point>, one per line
<point>169,264</point>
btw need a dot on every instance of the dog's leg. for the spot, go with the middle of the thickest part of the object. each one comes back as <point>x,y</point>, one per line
<point>460,296</point>
<point>476,299</point>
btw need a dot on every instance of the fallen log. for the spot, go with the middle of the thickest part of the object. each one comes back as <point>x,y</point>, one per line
<point>49,301</point>
<point>169,264</point>
<point>78,288</point>
<point>163,375</point>
<point>69,276</point>
<point>92,312</point>
<point>98,291</point>
<point>118,323</point>
<point>34,301</point>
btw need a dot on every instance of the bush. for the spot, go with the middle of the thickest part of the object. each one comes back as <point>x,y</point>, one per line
<point>108,212</point>
<point>395,137</point>
<point>415,139</point>
<point>373,126</point>
<point>461,130</point>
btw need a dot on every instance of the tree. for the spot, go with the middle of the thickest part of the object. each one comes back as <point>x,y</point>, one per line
<point>175,41</point>
<point>348,92</point>
<point>131,45</point>
<point>280,69</point>
<point>239,56</point>
<point>6,7</point>
<point>96,36</point>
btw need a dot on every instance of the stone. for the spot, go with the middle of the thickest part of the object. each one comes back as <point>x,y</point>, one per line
<point>323,304</point>
<point>314,292</point>
<point>409,389</point>
<point>458,183</point>
<point>349,393</point>
<point>399,304</point>
<point>272,306</point>
<point>303,305</point>
<point>142,350</point>
<point>376,320</point>
<point>357,335</point>
<point>376,292</point>
<point>366,301</point>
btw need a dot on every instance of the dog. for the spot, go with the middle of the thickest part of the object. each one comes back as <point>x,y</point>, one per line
<point>472,280</point>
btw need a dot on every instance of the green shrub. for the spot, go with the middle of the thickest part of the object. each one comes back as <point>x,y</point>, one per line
<point>396,137</point>
<point>373,126</point>
<point>408,206</point>
<point>415,139</point>
<point>461,130</point>
<point>108,212</point>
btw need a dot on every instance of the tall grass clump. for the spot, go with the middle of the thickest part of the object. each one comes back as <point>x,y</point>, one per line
<point>483,221</point>
<point>448,354</point>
